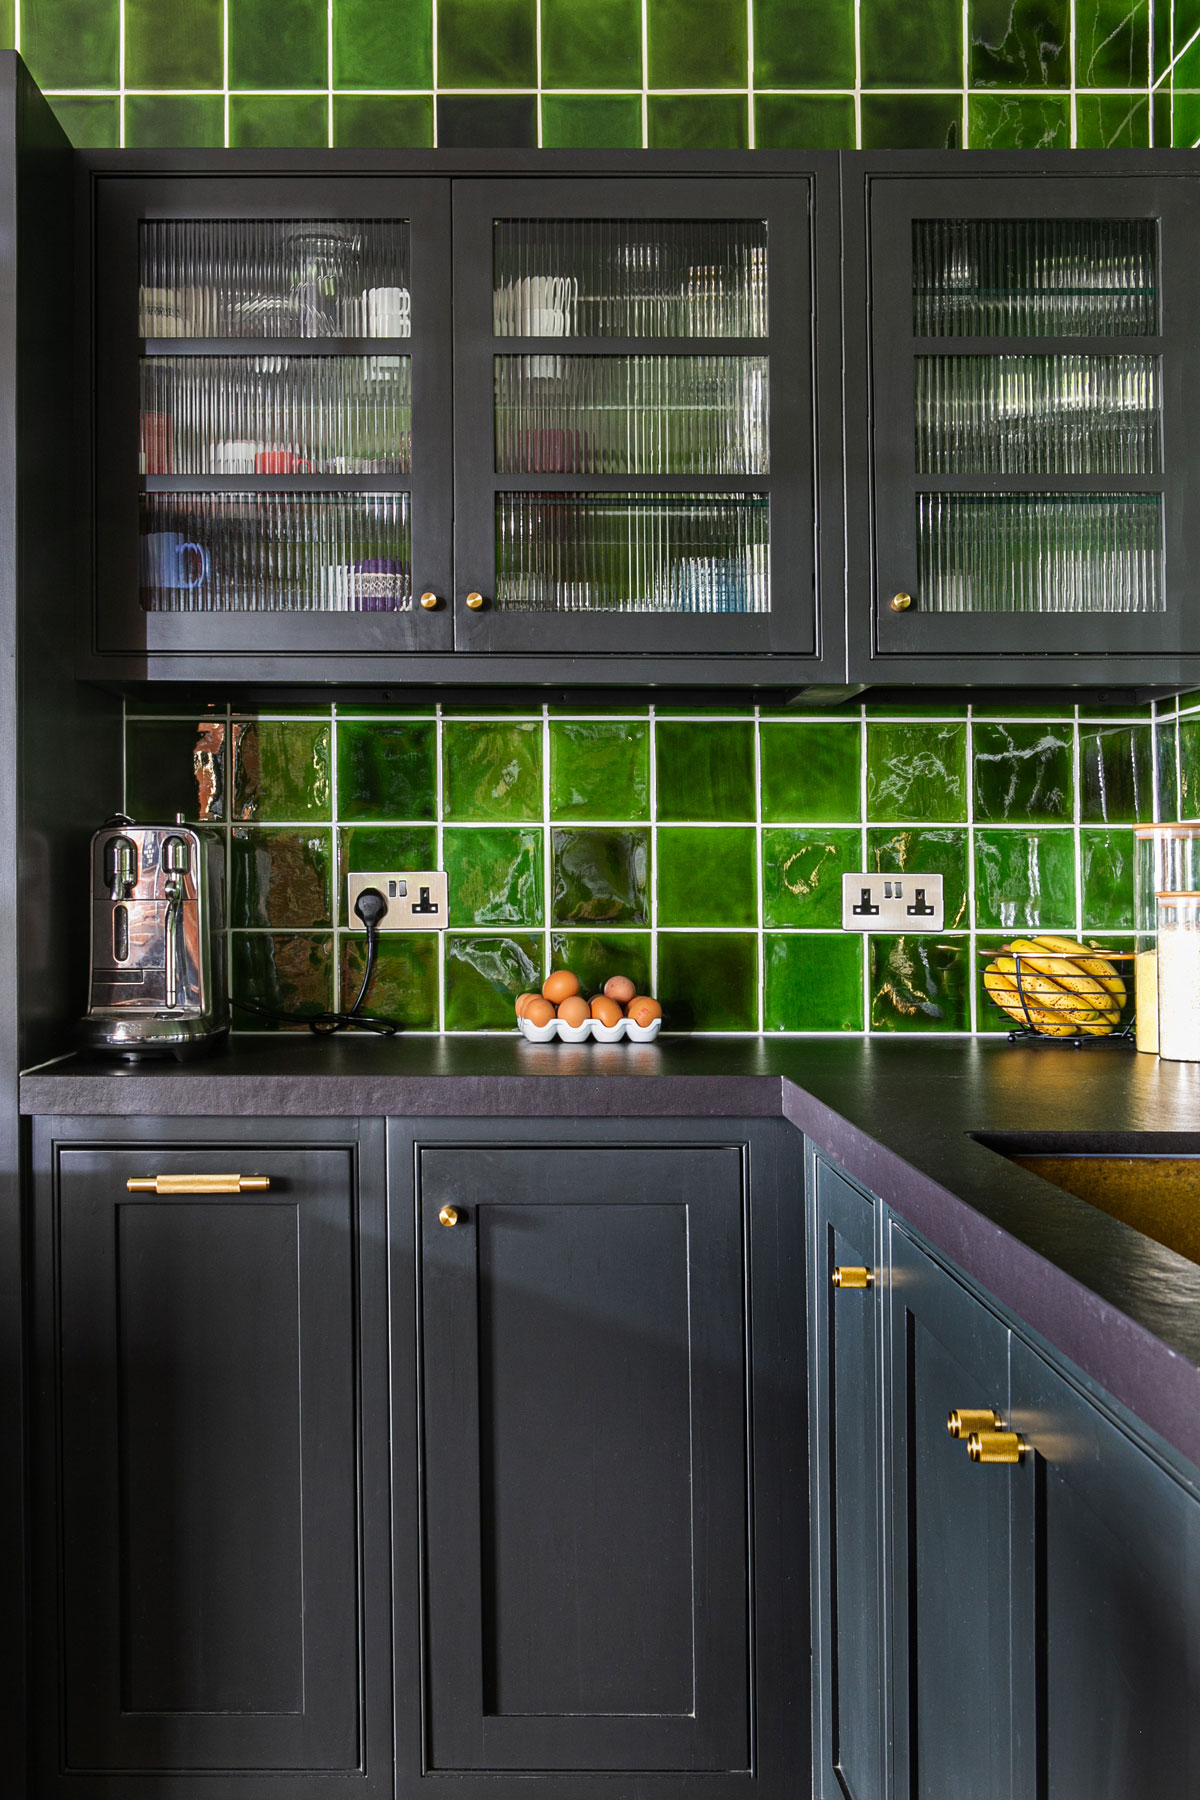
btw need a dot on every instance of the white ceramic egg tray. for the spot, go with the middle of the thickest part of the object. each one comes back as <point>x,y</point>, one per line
<point>591,1028</point>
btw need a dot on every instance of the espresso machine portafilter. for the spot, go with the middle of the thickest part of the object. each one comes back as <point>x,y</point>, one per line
<point>158,944</point>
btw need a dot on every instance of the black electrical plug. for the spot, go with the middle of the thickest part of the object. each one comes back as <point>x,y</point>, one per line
<point>371,907</point>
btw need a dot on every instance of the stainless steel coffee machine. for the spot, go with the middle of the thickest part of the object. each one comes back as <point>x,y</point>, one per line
<point>158,943</point>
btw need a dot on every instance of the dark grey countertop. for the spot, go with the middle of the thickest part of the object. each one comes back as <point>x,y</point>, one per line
<point>897,1114</point>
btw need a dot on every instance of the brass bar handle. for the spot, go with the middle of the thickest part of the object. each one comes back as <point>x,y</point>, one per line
<point>448,1216</point>
<point>847,1275</point>
<point>965,1419</point>
<point>996,1447</point>
<point>198,1184</point>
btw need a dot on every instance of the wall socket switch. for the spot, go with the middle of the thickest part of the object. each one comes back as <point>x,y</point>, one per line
<point>892,903</point>
<point>417,899</point>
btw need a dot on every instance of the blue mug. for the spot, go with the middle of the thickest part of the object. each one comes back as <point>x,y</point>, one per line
<point>166,559</point>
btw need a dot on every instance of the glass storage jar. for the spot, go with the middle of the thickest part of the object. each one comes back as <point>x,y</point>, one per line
<point>1179,977</point>
<point>1166,861</point>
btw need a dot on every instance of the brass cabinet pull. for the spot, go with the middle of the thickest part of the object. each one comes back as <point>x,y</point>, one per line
<point>429,601</point>
<point>474,602</point>
<point>847,1275</point>
<point>448,1215</point>
<point>995,1447</point>
<point>198,1184</point>
<point>901,602</point>
<point>965,1419</point>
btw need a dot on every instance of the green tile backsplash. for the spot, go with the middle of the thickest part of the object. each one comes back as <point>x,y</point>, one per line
<point>701,853</point>
<point>776,74</point>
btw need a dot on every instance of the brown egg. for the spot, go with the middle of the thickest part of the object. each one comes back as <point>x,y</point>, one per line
<point>620,989</point>
<point>538,1011</point>
<point>643,1010</point>
<point>605,1011</point>
<point>523,1001</point>
<point>573,1010</point>
<point>560,985</point>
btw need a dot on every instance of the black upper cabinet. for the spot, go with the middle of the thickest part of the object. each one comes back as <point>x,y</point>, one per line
<point>1018,419</point>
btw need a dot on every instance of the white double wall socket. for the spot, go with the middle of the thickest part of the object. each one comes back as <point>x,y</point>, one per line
<point>417,899</point>
<point>892,903</point>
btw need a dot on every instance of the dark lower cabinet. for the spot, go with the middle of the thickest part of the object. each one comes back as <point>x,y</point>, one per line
<point>210,1427</point>
<point>611,1397</point>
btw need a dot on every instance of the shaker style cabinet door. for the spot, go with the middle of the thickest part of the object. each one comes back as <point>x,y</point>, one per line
<point>210,1427</point>
<point>613,1460</point>
<point>1021,467</point>
<point>846,1380</point>
<point>272,427</point>
<point>635,416</point>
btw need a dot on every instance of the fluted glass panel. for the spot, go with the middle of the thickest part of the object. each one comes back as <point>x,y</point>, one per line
<point>274,278</point>
<point>632,415</point>
<point>658,553</point>
<point>1033,553</point>
<point>202,553</point>
<point>1034,277</point>
<point>1037,415</point>
<point>630,278</point>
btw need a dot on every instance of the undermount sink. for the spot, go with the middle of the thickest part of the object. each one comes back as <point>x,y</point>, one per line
<point>1157,1191</point>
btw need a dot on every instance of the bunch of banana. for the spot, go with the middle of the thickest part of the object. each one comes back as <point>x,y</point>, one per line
<point>1066,987</point>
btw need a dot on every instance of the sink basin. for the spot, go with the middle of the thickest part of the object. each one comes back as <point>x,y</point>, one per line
<point>1155,1191</point>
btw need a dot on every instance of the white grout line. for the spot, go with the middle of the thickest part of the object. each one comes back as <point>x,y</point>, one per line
<point>121,73</point>
<point>645,89</point>
<point>971,918</point>
<point>751,122</point>
<point>862,802</point>
<point>758,858</point>
<point>1077,813</point>
<point>334,735</point>
<point>1071,47</point>
<point>547,848</point>
<point>329,70</point>
<point>652,746</point>
<point>225,70</point>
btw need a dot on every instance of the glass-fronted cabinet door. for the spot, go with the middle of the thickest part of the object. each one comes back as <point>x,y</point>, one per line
<point>272,425</point>
<point>1034,384</point>
<point>634,417</point>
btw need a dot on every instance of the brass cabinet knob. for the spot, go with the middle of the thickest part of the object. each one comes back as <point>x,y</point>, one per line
<point>474,602</point>
<point>995,1447</point>
<point>429,601</point>
<point>965,1419</point>
<point>448,1215</point>
<point>847,1276</point>
<point>901,602</point>
<point>198,1184</point>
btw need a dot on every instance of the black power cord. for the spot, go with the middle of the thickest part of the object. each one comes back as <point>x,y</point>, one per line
<point>371,908</point>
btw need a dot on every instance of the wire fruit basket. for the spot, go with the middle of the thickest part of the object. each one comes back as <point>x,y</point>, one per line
<point>1057,990</point>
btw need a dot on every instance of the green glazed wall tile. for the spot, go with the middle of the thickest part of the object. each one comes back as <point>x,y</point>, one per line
<point>1116,774</point>
<point>804,47</point>
<point>600,877</point>
<point>484,975</point>
<point>377,848</point>
<point>804,122</point>
<point>919,984</point>
<point>387,771</point>
<point>1006,122</point>
<point>705,771</point>
<point>708,981</point>
<point>802,875</point>
<point>174,121</point>
<point>698,122</point>
<point>926,852</point>
<point>487,121</point>
<point>706,877</point>
<point>281,770</point>
<point>280,878</point>
<point>691,46</point>
<point>1112,43</point>
<point>599,769</point>
<point>918,45</point>
<point>811,772</point>
<point>1024,772</point>
<point>382,46</point>
<point>1168,772</point>
<point>175,766</point>
<point>1185,111</point>
<point>176,46</point>
<point>591,122</point>
<point>7,28</point>
<point>1025,880</point>
<point>495,876</point>
<point>71,43</point>
<point>596,46</point>
<point>1111,122</point>
<point>812,982</point>
<point>493,50</point>
<point>282,973</point>
<point>383,121</point>
<point>1020,43</point>
<point>990,1019</point>
<point>1012,706</point>
<point>911,122</point>
<point>923,703</point>
<point>404,985</point>
<point>1106,872</point>
<point>492,771</point>
<point>278,43</point>
<point>916,771</point>
<point>278,121</point>
<point>1189,768</point>
<point>594,956</point>
<point>91,124</point>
